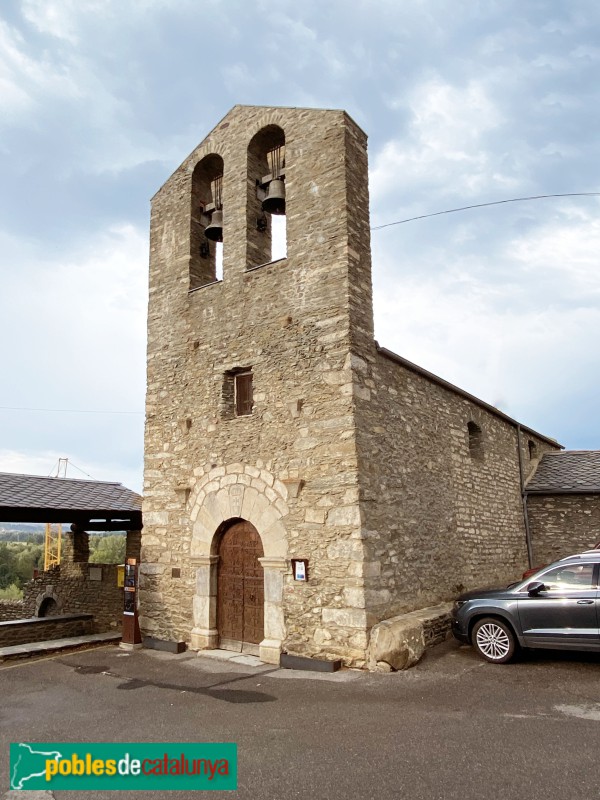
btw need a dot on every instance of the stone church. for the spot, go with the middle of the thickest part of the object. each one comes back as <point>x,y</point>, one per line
<point>302,483</point>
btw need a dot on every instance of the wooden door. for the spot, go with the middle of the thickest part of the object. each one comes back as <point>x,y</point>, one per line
<point>240,588</point>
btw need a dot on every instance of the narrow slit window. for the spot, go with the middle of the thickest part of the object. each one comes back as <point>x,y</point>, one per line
<point>532,449</point>
<point>243,394</point>
<point>475,441</point>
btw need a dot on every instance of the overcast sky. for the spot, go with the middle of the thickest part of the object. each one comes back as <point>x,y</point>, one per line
<point>464,102</point>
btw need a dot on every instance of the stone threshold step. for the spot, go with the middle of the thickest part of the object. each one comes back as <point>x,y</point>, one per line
<point>41,648</point>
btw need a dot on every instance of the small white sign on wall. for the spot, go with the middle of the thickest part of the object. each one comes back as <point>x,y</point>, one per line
<point>300,567</point>
<point>95,573</point>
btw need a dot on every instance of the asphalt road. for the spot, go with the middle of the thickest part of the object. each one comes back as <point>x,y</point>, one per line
<point>452,727</point>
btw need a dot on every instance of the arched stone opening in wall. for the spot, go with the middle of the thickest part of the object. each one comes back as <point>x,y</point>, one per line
<point>48,603</point>
<point>206,205</point>
<point>266,228</point>
<point>221,498</point>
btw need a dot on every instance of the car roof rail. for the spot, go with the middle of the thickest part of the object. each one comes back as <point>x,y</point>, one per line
<point>594,554</point>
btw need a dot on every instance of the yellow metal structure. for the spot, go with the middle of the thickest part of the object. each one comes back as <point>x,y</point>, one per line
<point>52,545</point>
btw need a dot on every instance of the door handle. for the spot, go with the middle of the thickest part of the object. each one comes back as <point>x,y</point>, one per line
<point>584,602</point>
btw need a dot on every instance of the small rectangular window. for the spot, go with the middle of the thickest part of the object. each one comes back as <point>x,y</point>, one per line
<point>475,441</point>
<point>243,394</point>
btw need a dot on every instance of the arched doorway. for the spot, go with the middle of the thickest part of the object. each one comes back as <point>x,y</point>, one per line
<point>214,505</point>
<point>48,608</point>
<point>240,589</point>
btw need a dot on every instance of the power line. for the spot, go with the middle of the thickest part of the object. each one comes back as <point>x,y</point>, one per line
<point>483,205</point>
<point>66,410</point>
<point>374,228</point>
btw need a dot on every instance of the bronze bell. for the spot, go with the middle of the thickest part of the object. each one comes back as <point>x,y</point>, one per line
<point>274,202</point>
<point>214,229</point>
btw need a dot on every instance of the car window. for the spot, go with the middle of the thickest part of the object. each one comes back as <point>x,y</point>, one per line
<point>569,576</point>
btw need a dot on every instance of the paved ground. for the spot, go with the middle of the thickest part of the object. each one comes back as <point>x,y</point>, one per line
<point>453,727</point>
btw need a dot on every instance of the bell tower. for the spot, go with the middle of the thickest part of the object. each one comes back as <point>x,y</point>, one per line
<point>253,379</point>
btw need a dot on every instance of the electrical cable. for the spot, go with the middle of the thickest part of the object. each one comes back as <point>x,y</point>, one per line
<point>71,464</point>
<point>66,410</point>
<point>374,228</point>
<point>483,205</point>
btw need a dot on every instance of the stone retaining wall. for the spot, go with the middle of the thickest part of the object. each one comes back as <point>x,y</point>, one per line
<point>437,629</point>
<point>40,629</point>
<point>399,642</point>
<point>12,609</point>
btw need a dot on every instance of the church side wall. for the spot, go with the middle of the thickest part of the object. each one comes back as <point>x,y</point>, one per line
<point>562,525</point>
<point>437,519</point>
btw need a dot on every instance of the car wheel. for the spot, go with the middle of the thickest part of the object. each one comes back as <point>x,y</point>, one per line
<point>494,640</point>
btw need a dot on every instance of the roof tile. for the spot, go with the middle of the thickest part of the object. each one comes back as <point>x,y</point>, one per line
<point>34,491</point>
<point>567,472</point>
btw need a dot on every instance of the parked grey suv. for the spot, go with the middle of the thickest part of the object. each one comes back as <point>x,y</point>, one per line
<point>557,607</point>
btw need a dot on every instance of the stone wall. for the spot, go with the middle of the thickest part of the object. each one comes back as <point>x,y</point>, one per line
<point>439,516</point>
<point>76,586</point>
<point>74,589</point>
<point>437,629</point>
<point>23,631</point>
<point>291,322</point>
<point>561,525</point>
<point>11,609</point>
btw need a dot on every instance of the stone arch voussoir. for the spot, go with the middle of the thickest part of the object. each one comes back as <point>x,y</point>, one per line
<point>238,491</point>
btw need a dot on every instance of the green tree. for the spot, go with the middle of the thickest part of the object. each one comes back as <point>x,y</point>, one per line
<point>108,549</point>
<point>11,592</point>
<point>8,572</point>
<point>30,557</point>
<point>17,562</point>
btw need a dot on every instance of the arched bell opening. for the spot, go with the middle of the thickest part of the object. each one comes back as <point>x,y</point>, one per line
<point>267,202</point>
<point>207,221</point>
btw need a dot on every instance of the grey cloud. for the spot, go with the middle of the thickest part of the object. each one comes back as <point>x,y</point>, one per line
<point>118,94</point>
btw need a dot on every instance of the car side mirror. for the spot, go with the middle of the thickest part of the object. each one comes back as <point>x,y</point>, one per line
<point>535,588</point>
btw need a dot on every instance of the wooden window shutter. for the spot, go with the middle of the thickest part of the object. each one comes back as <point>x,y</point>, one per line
<point>243,394</point>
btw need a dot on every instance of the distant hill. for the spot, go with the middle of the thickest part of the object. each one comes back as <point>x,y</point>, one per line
<point>22,532</point>
<point>32,527</point>
<point>35,532</point>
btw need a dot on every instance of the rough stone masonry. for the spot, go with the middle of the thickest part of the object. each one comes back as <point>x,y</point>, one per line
<point>398,488</point>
